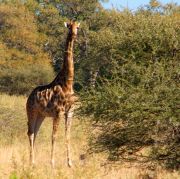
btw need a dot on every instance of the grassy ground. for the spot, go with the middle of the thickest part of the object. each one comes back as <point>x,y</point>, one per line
<point>14,155</point>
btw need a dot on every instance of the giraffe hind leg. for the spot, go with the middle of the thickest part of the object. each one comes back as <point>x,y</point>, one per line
<point>38,123</point>
<point>31,125</point>
<point>34,124</point>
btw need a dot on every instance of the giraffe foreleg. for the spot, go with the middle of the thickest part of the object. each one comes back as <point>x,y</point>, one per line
<point>68,120</point>
<point>54,136</point>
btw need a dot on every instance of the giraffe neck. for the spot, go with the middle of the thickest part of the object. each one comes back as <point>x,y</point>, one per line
<point>68,64</point>
<point>66,76</point>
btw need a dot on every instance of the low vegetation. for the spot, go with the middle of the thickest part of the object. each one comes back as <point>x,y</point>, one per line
<point>14,150</point>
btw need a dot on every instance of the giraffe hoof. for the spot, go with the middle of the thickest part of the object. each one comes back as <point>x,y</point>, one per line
<point>69,164</point>
<point>52,164</point>
<point>32,163</point>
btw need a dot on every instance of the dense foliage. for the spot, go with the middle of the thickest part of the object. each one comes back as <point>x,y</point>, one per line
<point>135,102</point>
<point>23,61</point>
<point>126,65</point>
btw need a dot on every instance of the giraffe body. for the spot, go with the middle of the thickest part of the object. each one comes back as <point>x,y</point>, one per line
<point>49,101</point>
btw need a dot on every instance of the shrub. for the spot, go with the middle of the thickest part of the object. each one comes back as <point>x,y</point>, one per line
<point>23,80</point>
<point>136,112</point>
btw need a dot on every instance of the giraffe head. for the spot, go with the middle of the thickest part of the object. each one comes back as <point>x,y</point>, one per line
<point>73,27</point>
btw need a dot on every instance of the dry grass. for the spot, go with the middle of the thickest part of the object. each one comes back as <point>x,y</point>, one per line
<point>14,155</point>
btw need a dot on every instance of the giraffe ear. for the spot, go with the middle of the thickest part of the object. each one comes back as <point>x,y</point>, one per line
<point>66,24</point>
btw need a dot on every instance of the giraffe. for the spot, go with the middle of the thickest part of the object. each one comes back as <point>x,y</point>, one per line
<point>55,99</point>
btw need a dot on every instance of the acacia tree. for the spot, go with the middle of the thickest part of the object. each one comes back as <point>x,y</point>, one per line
<point>135,103</point>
